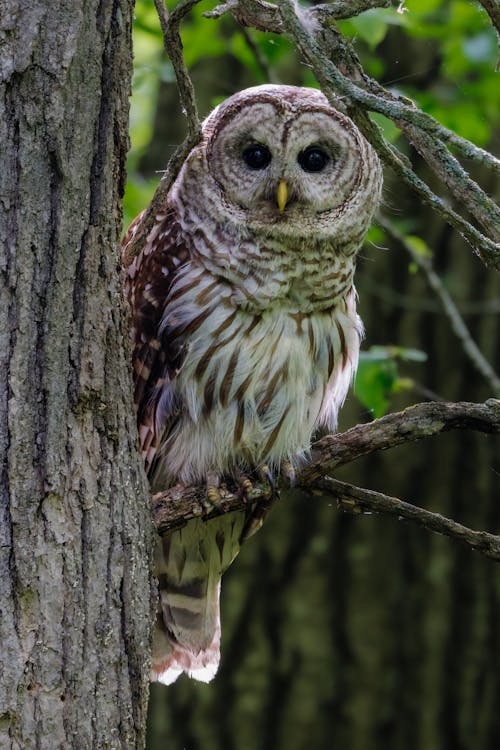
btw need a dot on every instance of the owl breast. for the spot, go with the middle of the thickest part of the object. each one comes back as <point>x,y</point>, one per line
<point>256,380</point>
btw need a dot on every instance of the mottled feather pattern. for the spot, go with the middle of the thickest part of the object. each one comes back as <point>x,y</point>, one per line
<point>244,327</point>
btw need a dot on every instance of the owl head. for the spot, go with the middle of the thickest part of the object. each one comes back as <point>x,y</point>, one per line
<point>280,160</point>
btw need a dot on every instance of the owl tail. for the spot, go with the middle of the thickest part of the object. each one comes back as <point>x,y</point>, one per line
<point>189,565</point>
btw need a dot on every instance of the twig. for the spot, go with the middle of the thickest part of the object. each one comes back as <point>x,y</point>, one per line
<point>357,500</point>
<point>492,8</point>
<point>449,307</point>
<point>173,45</point>
<point>456,179</point>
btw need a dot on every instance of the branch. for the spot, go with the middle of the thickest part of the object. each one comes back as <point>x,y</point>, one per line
<point>410,425</point>
<point>450,309</point>
<point>174,507</point>
<point>170,25</point>
<point>356,500</point>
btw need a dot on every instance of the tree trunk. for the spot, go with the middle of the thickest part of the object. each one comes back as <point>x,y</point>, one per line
<point>75,596</point>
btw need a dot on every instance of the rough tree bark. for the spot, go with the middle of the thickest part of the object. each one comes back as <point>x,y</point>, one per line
<point>75,528</point>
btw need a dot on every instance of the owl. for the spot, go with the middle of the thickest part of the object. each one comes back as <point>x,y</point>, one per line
<point>244,327</point>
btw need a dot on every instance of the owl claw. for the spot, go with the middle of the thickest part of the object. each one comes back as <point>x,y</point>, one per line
<point>287,471</point>
<point>213,498</point>
<point>266,475</point>
<point>244,485</point>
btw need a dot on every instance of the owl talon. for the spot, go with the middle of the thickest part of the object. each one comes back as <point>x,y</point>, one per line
<point>213,498</point>
<point>287,471</point>
<point>266,475</point>
<point>244,485</point>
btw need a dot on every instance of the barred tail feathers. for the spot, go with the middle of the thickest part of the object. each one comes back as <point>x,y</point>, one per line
<point>190,563</point>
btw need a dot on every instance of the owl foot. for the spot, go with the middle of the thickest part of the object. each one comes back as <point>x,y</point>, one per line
<point>213,499</point>
<point>287,471</point>
<point>266,475</point>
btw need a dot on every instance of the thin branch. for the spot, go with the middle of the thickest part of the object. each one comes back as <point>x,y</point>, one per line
<point>488,251</point>
<point>357,500</point>
<point>414,423</point>
<point>170,25</point>
<point>339,9</point>
<point>174,507</point>
<point>450,309</point>
<point>456,179</point>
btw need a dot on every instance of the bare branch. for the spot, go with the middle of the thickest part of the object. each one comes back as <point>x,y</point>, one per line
<point>173,45</point>
<point>488,251</point>
<point>345,9</point>
<point>449,307</point>
<point>456,179</point>
<point>174,507</point>
<point>170,25</point>
<point>414,423</point>
<point>357,500</point>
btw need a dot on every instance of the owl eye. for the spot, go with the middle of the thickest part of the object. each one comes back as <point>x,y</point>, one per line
<point>312,159</point>
<point>257,156</point>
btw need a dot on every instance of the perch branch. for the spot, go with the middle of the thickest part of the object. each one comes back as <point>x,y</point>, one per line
<point>414,423</point>
<point>174,507</point>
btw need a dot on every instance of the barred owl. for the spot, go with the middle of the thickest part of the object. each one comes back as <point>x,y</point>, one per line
<point>244,326</point>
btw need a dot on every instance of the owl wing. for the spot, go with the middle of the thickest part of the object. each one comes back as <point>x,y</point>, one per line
<point>155,359</point>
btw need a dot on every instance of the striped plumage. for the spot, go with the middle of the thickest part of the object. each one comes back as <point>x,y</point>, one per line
<point>245,329</point>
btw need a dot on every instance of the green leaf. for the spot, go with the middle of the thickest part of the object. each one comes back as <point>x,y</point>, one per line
<point>378,375</point>
<point>374,382</point>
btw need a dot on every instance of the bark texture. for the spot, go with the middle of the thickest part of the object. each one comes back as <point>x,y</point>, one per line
<point>75,528</point>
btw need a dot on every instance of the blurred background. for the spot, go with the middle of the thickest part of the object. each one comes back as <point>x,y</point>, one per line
<point>359,633</point>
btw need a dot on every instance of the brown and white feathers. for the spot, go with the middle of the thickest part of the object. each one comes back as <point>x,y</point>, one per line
<point>244,324</point>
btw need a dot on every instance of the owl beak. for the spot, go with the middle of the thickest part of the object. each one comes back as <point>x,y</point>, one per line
<point>282,195</point>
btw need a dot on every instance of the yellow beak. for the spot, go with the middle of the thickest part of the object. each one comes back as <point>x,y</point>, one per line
<point>282,195</point>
